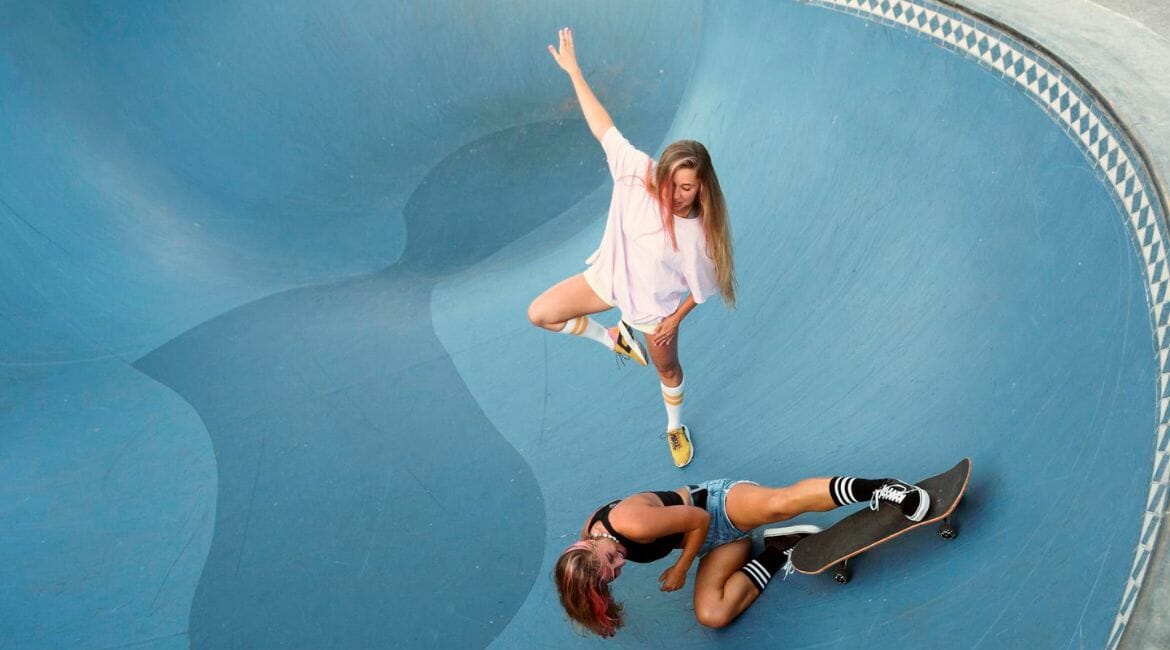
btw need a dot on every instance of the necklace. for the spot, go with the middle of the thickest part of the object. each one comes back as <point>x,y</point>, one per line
<point>604,536</point>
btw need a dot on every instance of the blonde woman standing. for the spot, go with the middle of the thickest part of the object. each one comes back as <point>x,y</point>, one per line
<point>666,248</point>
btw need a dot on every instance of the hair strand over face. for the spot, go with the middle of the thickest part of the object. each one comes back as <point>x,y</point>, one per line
<point>584,594</point>
<point>689,154</point>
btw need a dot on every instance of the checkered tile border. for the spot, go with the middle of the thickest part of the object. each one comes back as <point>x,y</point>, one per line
<point>1118,165</point>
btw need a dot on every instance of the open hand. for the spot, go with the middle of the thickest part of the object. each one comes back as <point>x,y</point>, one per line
<point>565,56</point>
<point>665,332</point>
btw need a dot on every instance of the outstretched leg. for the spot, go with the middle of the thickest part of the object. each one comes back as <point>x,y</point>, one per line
<point>750,506</point>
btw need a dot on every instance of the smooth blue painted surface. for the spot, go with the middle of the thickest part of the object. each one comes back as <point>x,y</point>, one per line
<point>106,507</point>
<point>929,270</point>
<point>268,378</point>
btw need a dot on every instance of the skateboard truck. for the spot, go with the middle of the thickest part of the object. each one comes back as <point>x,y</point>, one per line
<point>947,529</point>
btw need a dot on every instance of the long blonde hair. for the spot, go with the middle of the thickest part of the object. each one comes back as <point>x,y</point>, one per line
<point>689,154</point>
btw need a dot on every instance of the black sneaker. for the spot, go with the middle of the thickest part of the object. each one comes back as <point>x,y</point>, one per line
<point>784,539</point>
<point>913,500</point>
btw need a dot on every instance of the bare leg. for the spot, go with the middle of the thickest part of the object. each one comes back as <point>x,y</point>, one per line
<point>750,506</point>
<point>565,300</point>
<point>670,374</point>
<point>722,592</point>
<point>665,358</point>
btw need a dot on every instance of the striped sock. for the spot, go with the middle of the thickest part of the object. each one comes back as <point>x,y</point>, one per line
<point>760,569</point>
<point>672,396</point>
<point>590,329</point>
<point>846,489</point>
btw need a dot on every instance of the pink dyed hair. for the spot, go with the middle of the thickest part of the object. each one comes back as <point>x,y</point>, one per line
<point>584,593</point>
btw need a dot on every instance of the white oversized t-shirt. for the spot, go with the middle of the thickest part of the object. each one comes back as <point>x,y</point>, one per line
<point>635,267</point>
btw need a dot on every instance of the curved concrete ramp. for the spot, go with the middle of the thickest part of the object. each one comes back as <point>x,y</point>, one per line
<point>268,376</point>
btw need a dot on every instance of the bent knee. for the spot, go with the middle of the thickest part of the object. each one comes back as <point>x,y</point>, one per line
<point>538,315</point>
<point>534,315</point>
<point>714,617</point>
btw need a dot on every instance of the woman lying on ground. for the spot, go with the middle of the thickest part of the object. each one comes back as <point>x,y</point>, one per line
<point>713,522</point>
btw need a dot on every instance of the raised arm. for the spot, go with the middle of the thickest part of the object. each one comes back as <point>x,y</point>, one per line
<point>566,57</point>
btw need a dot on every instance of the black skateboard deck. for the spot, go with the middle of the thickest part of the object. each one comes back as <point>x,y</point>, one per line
<point>865,529</point>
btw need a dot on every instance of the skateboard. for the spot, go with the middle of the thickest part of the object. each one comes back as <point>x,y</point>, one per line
<point>866,529</point>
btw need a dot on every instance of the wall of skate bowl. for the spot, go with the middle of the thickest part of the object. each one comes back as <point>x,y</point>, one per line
<point>268,378</point>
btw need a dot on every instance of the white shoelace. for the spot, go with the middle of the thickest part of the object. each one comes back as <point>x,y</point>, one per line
<point>892,493</point>
<point>788,568</point>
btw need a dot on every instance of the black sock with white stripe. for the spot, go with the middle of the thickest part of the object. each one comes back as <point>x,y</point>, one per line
<point>846,489</point>
<point>761,569</point>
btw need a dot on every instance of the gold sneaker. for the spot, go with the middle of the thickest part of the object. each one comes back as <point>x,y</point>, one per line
<point>681,450</point>
<point>626,344</point>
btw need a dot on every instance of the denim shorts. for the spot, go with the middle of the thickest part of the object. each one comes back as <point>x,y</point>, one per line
<point>721,531</point>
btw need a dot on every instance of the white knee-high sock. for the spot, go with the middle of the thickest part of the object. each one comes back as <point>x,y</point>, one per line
<point>590,329</point>
<point>672,396</point>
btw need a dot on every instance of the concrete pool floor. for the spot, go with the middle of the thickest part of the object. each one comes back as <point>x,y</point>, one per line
<point>212,381</point>
<point>1120,47</point>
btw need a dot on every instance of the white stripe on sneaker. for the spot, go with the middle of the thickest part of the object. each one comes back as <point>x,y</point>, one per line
<point>923,504</point>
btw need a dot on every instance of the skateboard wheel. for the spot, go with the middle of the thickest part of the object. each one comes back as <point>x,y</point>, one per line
<point>842,575</point>
<point>948,531</point>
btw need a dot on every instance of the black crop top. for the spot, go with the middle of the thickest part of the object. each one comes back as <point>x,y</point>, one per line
<point>642,552</point>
